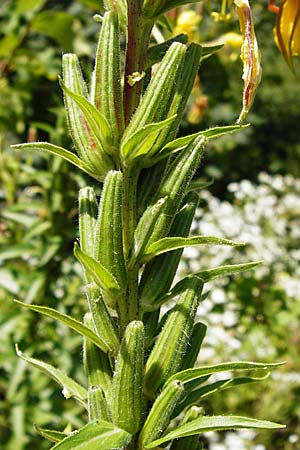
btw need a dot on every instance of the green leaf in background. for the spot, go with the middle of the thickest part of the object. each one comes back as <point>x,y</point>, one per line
<point>213,423</point>
<point>96,435</point>
<point>70,322</point>
<point>70,387</point>
<point>173,243</point>
<point>57,25</point>
<point>157,52</point>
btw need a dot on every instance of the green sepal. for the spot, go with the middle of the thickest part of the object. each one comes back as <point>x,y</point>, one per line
<point>126,392</point>
<point>160,413</point>
<point>50,435</point>
<point>95,361</point>
<point>174,186</point>
<point>214,423</point>
<point>99,274</point>
<point>156,52</point>
<point>211,133</point>
<point>198,372</point>
<point>61,152</point>
<point>109,241</point>
<point>228,270</point>
<point>88,128</point>
<point>97,434</point>
<point>103,323</point>
<point>174,243</point>
<point>155,103</point>
<point>88,207</point>
<point>97,405</point>
<point>69,321</point>
<point>198,335</point>
<point>70,387</point>
<point>106,91</point>
<point>168,353</point>
<point>158,275</point>
<point>140,145</point>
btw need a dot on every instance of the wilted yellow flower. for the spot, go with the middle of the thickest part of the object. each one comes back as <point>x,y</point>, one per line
<point>250,56</point>
<point>287,29</point>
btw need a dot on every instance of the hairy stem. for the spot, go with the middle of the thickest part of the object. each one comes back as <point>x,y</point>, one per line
<point>138,34</point>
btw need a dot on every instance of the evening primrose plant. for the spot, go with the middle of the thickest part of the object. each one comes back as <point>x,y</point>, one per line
<point>143,387</point>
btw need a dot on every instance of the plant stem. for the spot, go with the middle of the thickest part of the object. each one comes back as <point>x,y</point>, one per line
<point>138,34</point>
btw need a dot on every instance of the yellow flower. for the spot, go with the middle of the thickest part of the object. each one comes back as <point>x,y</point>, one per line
<point>187,23</point>
<point>287,29</point>
<point>250,56</point>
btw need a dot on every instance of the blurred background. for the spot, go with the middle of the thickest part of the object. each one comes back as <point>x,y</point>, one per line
<point>254,196</point>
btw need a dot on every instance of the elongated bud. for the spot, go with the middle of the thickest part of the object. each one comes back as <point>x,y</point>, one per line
<point>88,208</point>
<point>97,405</point>
<point>250,56</point>
<point>183,89</point>
<point>190,442</point>
<point>106,93</point>
<point>126,394</point>
<point>174,186</point>
<point>86,141</point>
<point>96,362</point>
<point>160,413</point>
<point>103,323</point>
<point>156,102</point>
<point>159,273</point>
<point>192,353</point>
<point>109,244</point>
<point>167,355</point>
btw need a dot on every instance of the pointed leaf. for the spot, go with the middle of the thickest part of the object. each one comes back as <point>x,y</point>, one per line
<point>70,322</point>
<point>95,435</point>
<point>211,133</point>
<point>173,243</point>
<point>94,118</point>
<point>209,50</point>
<point>225,271</point>
<point>57,151</point>
<point>101,276</point>
<point>191,374</point>
<point>140,143</point>
<point>157,52</point>
<point>213,423</point>
<point>70,387</point>
<point>51,435</point>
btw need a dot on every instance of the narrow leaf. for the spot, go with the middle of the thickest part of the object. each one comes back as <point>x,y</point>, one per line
<point>223,271</point>
<point>98,434</point>
<point>51,435</point>
<point>57,151</point>
<point>211,133</point>
<point>141,142</point>
<point>100,275</point>
<point>213,423</point>
<point>173,243</point>
<point>157,52</point>
<point>70,387</point>
<point>191,374</point>
<point>70,322</point>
